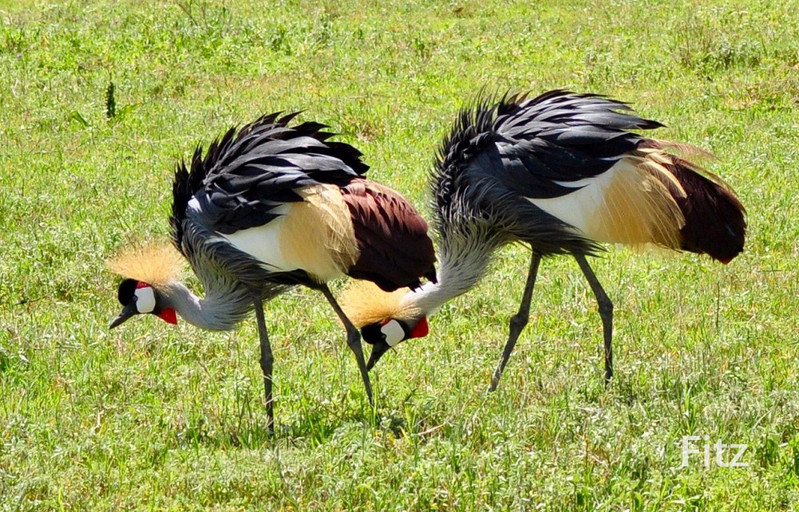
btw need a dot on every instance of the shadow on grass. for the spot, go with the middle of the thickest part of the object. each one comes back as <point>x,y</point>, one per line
<point>310,428</point>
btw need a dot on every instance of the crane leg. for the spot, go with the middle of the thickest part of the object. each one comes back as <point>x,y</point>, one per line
<point>518,321</point>
<point>605,312</point>
<point>353,340</point>
<point>266,364</point>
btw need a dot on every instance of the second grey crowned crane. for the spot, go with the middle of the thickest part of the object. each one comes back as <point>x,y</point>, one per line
<point>561,173</point>
<point>268,207</point>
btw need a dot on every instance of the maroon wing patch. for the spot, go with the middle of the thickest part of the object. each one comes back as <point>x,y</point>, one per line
<point>395,250</point>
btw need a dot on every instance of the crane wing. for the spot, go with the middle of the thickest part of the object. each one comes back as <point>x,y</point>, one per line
<point>517,163</point>
<point>249,172</point>
<point>562,164</point>
<point>544,147</point>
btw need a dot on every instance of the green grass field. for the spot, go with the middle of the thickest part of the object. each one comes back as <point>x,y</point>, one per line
<point>149,416</point>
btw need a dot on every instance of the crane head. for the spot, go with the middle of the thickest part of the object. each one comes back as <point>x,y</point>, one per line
<point>138,297</point>
<point>148,271</point>
<point>389,333</point>
<point>384,318</point>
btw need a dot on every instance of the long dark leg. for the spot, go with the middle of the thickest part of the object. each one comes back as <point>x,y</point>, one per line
<point>266,364</point>
<point>353,340</point>
<point>605,312</point>
<point>519,320</point>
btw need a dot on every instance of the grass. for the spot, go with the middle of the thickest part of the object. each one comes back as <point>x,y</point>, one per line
<point>154,417</point>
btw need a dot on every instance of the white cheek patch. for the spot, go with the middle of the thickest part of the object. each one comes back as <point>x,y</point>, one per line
<point>393,332</point>
<point>145,300</point>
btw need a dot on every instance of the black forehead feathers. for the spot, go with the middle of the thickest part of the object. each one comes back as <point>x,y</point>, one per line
<point>371,333</point>
<point>127,289</point>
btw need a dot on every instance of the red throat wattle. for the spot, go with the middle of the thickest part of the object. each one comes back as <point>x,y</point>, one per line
<point>421,328</point>
<point>169,316</point>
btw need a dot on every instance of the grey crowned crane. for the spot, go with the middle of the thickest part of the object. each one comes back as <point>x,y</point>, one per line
<point>268,207</point>
<point>561,172</point>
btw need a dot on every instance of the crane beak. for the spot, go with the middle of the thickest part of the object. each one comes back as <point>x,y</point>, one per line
<point>378,349</point>
<point>127,312</point>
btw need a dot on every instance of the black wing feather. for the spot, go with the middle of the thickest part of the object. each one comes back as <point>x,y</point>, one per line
<point>532,145</point>
<point>501,152</point>
<point>248,172</point>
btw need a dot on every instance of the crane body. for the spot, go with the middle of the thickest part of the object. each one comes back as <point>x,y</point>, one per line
<point>561,173</point>
<point>268,207</point>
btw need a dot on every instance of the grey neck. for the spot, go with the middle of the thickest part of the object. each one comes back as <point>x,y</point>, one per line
<point>219,312</point>
<point>462,265</point>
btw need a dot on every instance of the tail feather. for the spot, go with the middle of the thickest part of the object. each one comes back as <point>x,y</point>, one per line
<point>714,217</point>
